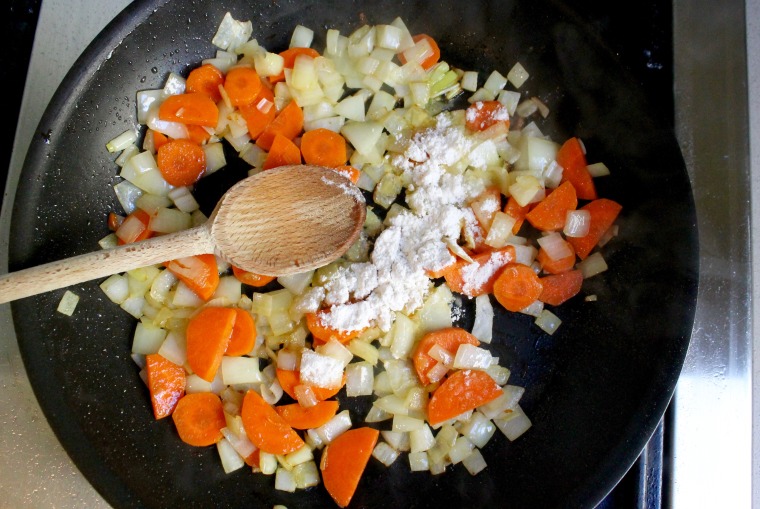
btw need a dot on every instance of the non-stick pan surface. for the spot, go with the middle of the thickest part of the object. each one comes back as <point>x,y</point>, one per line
<point>595,390</point>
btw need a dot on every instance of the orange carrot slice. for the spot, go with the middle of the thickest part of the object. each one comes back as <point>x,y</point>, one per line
<point>289,380</point>
<point>558,288</point>
<point>166,383</point>
<point>208,334</point>
<point>265,428</point>
<point>558,266</point>
<point>517,287</point>
<point>282,152</point>
<point>299,417</point>
<point>481,115</point>
<point>573,161</point>
<point>349,172</point>
<point>449,339</point>
<point>517,211</point>
<point>181,162</point>
<point>324,147</point>
<point>344,460</point>
<point>192,108</point>
<point>288,122</point>
<point>251,278</point>
<point>199,419</point>
<point>551,212</point>
<point>242,85</point>
<point>134,228</point>
<point>200,273</point>
<point>205,80</point>
<point>462,391</point>
<point>603,214</point>
<point>289,59</point>
<point>243,337</point>
<point>324,332</point>
<point>259,113</point>
<point>478,277</point>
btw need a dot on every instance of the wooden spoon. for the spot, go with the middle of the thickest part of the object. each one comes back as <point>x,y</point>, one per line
<point>281,221</point>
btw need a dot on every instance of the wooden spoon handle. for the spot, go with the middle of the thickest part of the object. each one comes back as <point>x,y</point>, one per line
<point>89,266</point>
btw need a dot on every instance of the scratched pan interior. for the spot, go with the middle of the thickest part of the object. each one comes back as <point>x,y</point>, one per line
<point>595,390</point>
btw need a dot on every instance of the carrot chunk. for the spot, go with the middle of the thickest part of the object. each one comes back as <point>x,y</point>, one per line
<point>449,339</point>
<point>288,122</point>
<point>208,334</point>
<point>431,60</point>
<point>166,383</point>
<point>551,266</point>
<point>205,80</point>
<point>603,214</point>
<point>517,211</point>
<point>289,380</point>
<point>573,161</point>
<point>463,390</point>
<point>289,59</point>
<point>481,115</point>
<point>200,273</point>
<point>242,85</point>
<point>251,278</point>
<point>551,212</point>
<point>199,419</point>
<point>558,288</point>
<point>265,428</point>
<point>517,287</point>
<point>323,147</point>
<point>181,162</point>
<point>192,108</point>
<point>344,460</point>
<point>299,417</point>
<point>134,228</point>
<point>478,277</point>
<point>243,337</point>
<point>324,332</point>
<point>282,152</point>
<point>259,113</point>
<point>349,172</point>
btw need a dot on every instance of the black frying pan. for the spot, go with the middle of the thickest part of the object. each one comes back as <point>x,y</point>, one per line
<point>595,390</point>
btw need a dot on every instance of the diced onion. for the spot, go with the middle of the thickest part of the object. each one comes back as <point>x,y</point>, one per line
<point>68,303</point>
<point>548,321</point>
<point>594,264</point>
<point>577,223</point>
<point>334,427</point>
<point>513,423</point>
<point>474,462</point>
<point>359,379</point>
<point>555,246</point>
<point>230,458</point>
<point>385,454</point>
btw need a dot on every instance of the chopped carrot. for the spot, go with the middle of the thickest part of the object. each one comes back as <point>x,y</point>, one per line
<point>288,122</point>
<point>114,221</point>
<point>181,162</point>
<point>486,205</point>
<point>205,80</point>
<point>324,332</point>
<point>198,134</point>
<point>251,278</point>
<point>440,272</point>
<point>558,288</point>
<point>517,287</point>
<point>282,152</point>
<point>299,417</point>
<point>191,108</point>
<point>199,419</point>
<point>431,60</point>
<point>265,428</point>
<point>289,380</point>
<point>200,273</point>
<point>462,390</point>
<point>253,459</point>
<point>134,228</point>
<point>259,113</point>
<point>349,172</point>
<point>550,213</point>
<point>344,460</point>
<point>478,277</point>
<point>481,115</point>
<point>551,266</point>
<point>603,214</point>
<point>242,85</point>
<point>574,169</point>
<point>158,139</point>
<point>166,383</point>
<point>323,147</point>
<point>517,211</point>
<point>449,339</point>
<point>208,334</point>
<point>243,337</point>
<point>289,59</point>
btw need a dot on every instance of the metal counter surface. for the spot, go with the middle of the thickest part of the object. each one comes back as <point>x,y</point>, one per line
<point>716,119</point>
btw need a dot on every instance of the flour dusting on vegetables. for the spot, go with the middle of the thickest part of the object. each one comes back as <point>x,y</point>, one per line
<point>473,203</point>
